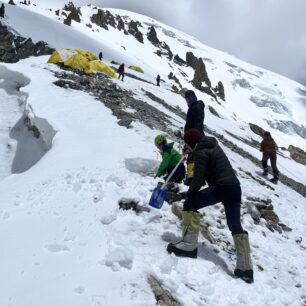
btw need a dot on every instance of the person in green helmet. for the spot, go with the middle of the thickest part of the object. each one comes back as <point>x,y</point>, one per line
<point>170,158</point>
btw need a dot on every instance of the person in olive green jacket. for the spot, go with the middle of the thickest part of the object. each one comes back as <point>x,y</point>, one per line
<point>212,167</point>
<point>170,159</point>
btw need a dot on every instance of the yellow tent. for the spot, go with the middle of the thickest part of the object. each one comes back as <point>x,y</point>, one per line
<point>82,60</point>
<point>136,68</point>
<point>96,65</point>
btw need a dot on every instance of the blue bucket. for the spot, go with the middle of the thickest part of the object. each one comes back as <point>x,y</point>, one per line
<point>158,197</point>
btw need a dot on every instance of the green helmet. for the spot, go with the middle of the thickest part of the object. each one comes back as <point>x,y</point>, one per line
<point>160,139</point>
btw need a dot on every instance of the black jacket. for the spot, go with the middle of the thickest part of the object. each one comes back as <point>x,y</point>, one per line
<point>210,165</point>
<point>195,117</point>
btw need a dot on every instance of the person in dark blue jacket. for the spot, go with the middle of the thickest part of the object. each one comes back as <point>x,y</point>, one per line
<point>195,113</point>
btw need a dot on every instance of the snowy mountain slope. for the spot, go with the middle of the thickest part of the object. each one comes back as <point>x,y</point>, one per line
<point>65,241</point>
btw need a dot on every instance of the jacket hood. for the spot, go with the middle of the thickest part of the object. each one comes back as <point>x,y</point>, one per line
<point>206,143</point>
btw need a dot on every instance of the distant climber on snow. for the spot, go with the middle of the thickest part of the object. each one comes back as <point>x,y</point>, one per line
<point>268,148</point>
<point>121,72</point>
<point>170,159</point>
<point>158,80</point>
<point>212,166</point>
<point>195,113</point>
<point>100,56</point>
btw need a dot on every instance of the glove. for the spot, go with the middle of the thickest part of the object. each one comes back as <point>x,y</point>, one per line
<point>186,149</point>
<point>183,194</point>
<point>187,181</point>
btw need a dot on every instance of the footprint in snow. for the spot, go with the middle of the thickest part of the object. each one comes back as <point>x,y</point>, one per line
<point>55,248</point>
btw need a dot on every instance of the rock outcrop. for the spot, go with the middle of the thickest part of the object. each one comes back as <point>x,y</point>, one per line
<point>74,13</point>
<point>219,90</point>
<point>297,154</point>
<point>100,19</point>
<point>256,129</point>
<point>133,30</point>
<point>200,74</point>
<point>152,36</point>
<point>179,61</point>
<point>13,48</point>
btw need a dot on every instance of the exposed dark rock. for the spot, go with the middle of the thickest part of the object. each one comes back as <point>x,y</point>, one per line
<point>158,52</point>
<point>152,36</point>
<point>163,297</point>
<point>74,13</point>
<point>166,50</point>
<point>89,25</point>
<point>115,98</point>
<point>191,60</point>
<point>175,89</point>
<point>263,208</point>
<point>256,129</point>
<point>200,73</point>
<point>297,154</point>
<point>179,60</point>
<point>115,63</point>
<point>219,90</point>
<point>171,76</point>
<point>125,122</point>
<point>11,2</point>
<point>13,48</point>
<point>120,25</point>
<point>213,111</point>
<point>57,12</point>
<point>133,30</point>
<point>130,204</point>
<point>100,19</point>
<point>28,123</point>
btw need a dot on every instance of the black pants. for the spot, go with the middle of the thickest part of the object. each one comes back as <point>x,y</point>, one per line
<point>272,157</point>
<point>229,195</point>
<point>178,175</point>
<point>121,75</point>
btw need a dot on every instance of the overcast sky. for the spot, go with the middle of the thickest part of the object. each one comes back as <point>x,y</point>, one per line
<point>267,33</point>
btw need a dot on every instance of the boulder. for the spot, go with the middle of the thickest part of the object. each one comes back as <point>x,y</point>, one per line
<point>297,154</point>
<point>179,60</point>
<point>256,129</point>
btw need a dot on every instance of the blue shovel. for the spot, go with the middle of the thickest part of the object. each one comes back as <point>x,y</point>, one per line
<point>159,194</point>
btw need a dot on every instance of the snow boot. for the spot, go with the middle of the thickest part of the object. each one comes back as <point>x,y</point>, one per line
<point>188,245</point>
<point>265,172</point>
<point>274,180</point>
<point>244,266</point>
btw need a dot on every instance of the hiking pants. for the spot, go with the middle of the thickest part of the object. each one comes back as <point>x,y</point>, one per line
<point>272,157</point>
<point>121,75</point>
<point>229,195</point>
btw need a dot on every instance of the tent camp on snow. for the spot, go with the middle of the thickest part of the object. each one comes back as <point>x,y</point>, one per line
<point>136,68</point>
<point>81,60</point>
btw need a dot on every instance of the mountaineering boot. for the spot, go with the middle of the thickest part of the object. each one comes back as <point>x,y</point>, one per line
<point>274,180</point>
<point>244,266</point>
<point>265,172</point>
<point>188,245</point>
